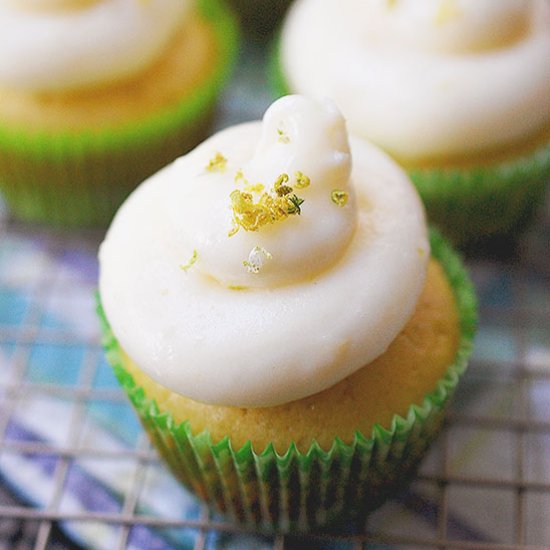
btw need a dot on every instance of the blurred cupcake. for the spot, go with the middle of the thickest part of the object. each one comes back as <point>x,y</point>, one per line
<point>260,17</point>
<point>278,321</point>
<point>456,90</point>
<point>96,95</point>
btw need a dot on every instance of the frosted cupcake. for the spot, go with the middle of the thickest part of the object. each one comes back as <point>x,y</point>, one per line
<point>456,90</point>
<point>278,321</point>
<point>97,95</point>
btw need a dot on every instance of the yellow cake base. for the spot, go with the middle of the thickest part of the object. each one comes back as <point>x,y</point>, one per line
<point>410,368</point>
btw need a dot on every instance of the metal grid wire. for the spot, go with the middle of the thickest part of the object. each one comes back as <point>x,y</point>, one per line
<point>500,412</point>
<point>484,485</point>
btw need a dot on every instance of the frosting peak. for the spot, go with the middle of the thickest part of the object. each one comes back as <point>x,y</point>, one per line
<point>274,197</point>
<point>303,134</point>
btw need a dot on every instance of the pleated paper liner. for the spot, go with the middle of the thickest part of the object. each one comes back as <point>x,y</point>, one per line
<point>80,178</point>
<point>499,199</point>
<point>469,202</point>
<point>300,491</point>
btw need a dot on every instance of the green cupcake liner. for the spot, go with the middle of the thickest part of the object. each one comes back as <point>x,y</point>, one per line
<point>81,177</point>
<point>300,491</point>
<point>470,203</point>
<point>500,199</point>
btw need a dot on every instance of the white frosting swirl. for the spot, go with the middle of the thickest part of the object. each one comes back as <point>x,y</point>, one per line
<point>340,283</point>
<point>314,142</point>
<point>426,79</point>
<point>62,45</point>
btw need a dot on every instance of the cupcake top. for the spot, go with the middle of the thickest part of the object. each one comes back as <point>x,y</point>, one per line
<point>265,266</point>
<point>425,79</point>
<point>67,45</point>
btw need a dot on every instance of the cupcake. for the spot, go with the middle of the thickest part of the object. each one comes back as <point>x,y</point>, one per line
<point>97,95</point>
<point>286,328</point>
<point>456,90</point>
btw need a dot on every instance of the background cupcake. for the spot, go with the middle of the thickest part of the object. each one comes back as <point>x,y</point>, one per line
<point>95,96</point>
<point>286,370</point>
<point>456,90</point>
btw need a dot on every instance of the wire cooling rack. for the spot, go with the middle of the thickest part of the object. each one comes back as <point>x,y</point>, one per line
<point>77,472</point>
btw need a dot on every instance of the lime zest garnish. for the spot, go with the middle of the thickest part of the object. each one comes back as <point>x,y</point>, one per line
<point>190,263</point>
<point>302,181</point>
<point>284,190</point>
<point>217,163</point>
<point>255,260</point>
<point>256,188</point>
<point>296,202</point>
<point>281,179</point>
<point>252,213</point>
<point>283,138</point>
<point>239,176</point>
<point>339,197</point>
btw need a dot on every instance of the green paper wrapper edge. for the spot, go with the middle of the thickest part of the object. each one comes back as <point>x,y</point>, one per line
<point>500,199</point>
<point>468,204</point>
<point>80,177</point>
<point>298,491</point>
